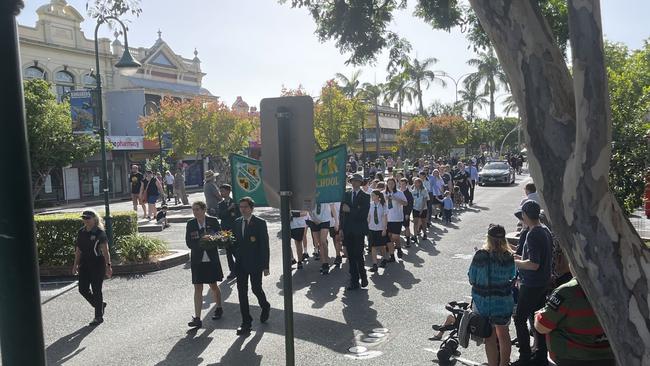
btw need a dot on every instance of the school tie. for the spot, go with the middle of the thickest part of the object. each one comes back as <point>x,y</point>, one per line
<point>354,196</point>
<point>245,227</point>
<point>318,209</point>
<point>390,202</point>
<point>376,217</point>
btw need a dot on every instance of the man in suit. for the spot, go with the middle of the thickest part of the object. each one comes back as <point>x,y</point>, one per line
<point>228,213</point>
<point>252,259</point>
<point>353,228</point>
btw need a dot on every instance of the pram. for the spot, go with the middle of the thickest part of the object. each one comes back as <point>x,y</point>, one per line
<point>449,346</point>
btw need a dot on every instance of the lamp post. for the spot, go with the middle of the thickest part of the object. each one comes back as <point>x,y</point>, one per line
<point>152,106</point>
<point>456,81</point>
<point>127,66</point>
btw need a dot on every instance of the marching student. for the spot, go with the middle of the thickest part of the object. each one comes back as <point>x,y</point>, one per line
<point>321,218</point>
<point>377,226</point>
<point>334,234</point>
<point>420,198</point>
<point>395,202</point>
<point>298,225</point>
<point>447,207</point>
<point>408,208</point>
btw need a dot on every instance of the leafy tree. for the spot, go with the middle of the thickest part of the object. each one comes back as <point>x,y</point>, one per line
<point>408,137</point>
<point>288,92</point>
<point>200,127</point>
<point>470,100</point>
<point>52,145</point>
<point>510,105</point>
<point>447,132</point>
<point>421,77</point>
<point>438,108</point>
<point>489,74</point>
<point>629,90</point>
<point>398,90</point>
<point>337,119</point>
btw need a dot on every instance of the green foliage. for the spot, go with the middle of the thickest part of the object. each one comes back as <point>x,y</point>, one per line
<point>489,74</point>
<point>49,129</point>
<point>105,8</point>
<point>337,118</point>
<point>56,234</point>
<point>421,78</point>
<point>492,133</point>
<point>139,248</point>
<point>629,89</point>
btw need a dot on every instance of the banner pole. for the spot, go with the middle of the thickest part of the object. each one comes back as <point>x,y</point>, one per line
<point>283,116</point>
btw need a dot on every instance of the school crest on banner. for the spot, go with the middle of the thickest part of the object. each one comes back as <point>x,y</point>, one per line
<point>246,176</point>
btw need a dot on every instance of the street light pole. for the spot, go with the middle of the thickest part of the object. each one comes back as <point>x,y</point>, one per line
<point>127,66</point>
<point>456,82</point>
<point>378,130</point>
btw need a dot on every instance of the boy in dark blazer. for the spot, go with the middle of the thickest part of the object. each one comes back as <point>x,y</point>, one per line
<point>354,228</point>
<point>252,259</point>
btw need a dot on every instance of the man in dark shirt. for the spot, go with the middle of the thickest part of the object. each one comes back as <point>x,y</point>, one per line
<point>534,266</point>
<point>228,213</point>
<point>137,188</point>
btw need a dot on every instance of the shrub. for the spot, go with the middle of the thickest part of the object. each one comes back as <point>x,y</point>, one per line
<point>139,248</point>
<point>56,234</point>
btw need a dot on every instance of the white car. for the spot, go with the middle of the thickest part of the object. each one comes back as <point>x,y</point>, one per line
<point>496,172</point>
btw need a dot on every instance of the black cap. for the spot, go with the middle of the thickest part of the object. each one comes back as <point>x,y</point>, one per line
<point>497,231</point>
<point>87,214</point>
<point>356,177</point>
<point>531,209</point>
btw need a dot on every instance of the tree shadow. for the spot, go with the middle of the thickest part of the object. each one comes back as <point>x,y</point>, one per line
<point>67,347</point>
<point>394,274</point>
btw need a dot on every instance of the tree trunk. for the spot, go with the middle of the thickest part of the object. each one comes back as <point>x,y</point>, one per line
<point>492,113</point>
<point>38,184</point>
<point>419,90</point>
<point>568,138</point>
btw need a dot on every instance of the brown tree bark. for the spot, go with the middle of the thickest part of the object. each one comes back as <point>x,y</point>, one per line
<point>568,130</point>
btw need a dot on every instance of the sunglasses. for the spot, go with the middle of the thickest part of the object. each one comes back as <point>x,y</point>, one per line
<point>86,217</point>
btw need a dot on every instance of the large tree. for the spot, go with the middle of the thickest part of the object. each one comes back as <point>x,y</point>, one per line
<point>52,144</point>
<point>422,77</point>
<point>337,119</point>
<point>399,90</point>
<point>470,100</point>
<point>567,125</point>
<point>350,85</point>
<point>489,74</point>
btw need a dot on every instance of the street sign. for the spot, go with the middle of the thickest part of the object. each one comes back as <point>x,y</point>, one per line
<point>300,130</point>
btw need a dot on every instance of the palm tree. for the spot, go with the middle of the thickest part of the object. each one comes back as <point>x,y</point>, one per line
<point>349,85</point>
<point>510,105</point>
<point>489,73</point>
<point>372,93</point>
<point>398,89</point>
<point>470,100</point>
<point>421,77</point>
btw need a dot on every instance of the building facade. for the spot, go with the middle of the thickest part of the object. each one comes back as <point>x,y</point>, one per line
<point>57,50</point>
<point>386,120</point>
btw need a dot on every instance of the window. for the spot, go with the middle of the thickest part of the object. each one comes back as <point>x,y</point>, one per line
<point>64,84</point>
<point>90,81</point>
<point>34,72</point>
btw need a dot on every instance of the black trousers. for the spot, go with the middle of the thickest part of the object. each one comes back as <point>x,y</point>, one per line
<point>429,209</point>
<point>354,244</point>
<point>242,289</point>
<point>91,278</point>
<point>170,191</point>
<point>530,300</point>
<point>231,260</point>
<point>471,191</point>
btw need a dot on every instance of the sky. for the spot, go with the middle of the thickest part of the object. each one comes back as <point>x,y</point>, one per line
<point>251,48</point>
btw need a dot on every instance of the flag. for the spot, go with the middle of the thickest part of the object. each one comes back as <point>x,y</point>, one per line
<point>246,176</point>
<point>330,174</point>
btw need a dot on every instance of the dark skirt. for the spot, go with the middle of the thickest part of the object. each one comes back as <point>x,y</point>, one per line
<point>206,272</point>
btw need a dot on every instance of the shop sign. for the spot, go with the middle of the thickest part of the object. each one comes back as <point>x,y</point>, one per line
<point>126,142</point>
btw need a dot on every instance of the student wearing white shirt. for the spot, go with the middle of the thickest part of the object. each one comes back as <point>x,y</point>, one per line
<point>334,233</point>
<point>298,234</point>
<point>321,218</point>
<point>377,226</point>
<point>420,198</point>
<point>395,202</point>
<point>437,185</point>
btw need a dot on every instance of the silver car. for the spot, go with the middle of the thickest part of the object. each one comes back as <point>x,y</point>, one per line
<point>496,172</point>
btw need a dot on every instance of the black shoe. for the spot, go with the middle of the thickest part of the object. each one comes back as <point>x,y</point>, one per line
<point>424,236</point>
<point>400,254</point>
<point>415,239</point>
<point>231,276</point>
<point>195,323</point>
<point>299,265</point>
<point>408,241</point>
<point>353,287</point>
<point>293,261</point>
<point>218,312</point>
<point>338,260</point>
<point>96,322</point>
<point>266,311</point>
<point>317,257</point>
<point>244,329</point>
<point>383,262</point>
<point>305,256</point>
<point>374,268</point>
<point>103,308</point>
<point>392,259</point>
<point>522,362</point>
<point>325,269</point>
<point>364,282</point>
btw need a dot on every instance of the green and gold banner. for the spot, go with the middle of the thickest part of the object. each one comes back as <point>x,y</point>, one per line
<point>246,176</point>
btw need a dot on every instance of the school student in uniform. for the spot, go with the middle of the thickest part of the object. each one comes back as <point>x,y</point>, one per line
<point>334,234</point>
<point>395,202</point>
<point>408,208</point>
<point>298,226</point>
<point>377,228</point>
<point>321,217</point>
<point>420,199</point>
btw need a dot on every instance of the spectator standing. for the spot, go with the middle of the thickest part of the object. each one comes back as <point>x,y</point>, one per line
<point>137,189</point>
<point>152,191</point>
<point>211,192</point>
<point>179,186</point>
<point>472,171</point>
<point>534,266</point>
<point>169,184</point>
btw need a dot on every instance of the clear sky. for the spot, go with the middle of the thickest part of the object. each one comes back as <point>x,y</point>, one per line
<point>250,48</point>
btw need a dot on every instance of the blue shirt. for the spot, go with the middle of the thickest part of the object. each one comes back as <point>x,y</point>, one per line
<point>491,275</point>
<point>447,203</point>
<point>473,172</point>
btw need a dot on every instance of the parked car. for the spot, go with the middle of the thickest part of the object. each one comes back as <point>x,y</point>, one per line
<point>496,172</point>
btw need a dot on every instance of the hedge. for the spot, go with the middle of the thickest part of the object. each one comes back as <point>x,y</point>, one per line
<point>56,234</point>
<point>139,248</point>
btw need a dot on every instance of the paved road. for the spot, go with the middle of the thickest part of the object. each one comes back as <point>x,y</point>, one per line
<point>146,315</point>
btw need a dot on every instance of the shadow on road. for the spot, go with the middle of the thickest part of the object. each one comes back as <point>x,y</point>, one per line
<point>236,355</point>
<point>394,274</point>
<point>67,347</point>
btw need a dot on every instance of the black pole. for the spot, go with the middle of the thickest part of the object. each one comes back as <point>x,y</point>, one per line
<point>161,153</point>
<point>102,143</point>
<point>21,327</point>
<point>284,115</point>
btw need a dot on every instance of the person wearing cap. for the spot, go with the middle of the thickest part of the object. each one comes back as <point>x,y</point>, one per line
<point>353,227</point>
<point>228,213</point>
<point>491,274</point>
<point>211,192</point>
<point>92,262</point>
<point>534,265</point>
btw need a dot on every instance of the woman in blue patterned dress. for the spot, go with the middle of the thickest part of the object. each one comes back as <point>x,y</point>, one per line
<point>491,274</point>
